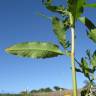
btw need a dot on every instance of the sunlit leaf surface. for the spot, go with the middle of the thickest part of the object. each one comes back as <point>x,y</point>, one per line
<point>35,50</point>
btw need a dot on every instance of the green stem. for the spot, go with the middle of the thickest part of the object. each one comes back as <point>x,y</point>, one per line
<point>72,55</point>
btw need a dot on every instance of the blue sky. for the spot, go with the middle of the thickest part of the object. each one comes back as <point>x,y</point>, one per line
<point>19,22</point>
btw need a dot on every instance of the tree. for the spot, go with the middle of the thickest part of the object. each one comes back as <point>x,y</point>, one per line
<point>34,91</point>
<point>70,14</point>
<point>57,88</point>
<point>25,93</point>
<point>48,89</point>
<point>42,90</point>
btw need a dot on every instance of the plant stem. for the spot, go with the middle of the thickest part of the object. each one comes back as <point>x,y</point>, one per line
<point>72,55</point>
<point>73,64</point>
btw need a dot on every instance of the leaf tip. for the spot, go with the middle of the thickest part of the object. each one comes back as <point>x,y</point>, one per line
<point>6,49</point>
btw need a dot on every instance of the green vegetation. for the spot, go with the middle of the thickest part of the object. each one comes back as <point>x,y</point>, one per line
<point>87,67</point>
<point>70,15</point>
<point>87,88</point>
<point>57,88</point>
<point>34,92</point>
<point>10,95</point>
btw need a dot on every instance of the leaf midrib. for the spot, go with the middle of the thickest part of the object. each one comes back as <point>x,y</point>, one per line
<point>35,49</point>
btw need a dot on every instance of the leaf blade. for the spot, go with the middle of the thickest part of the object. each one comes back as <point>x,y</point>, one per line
<point>90,5</point>
<point>85,68</point>
<point>92,28</point>
<point>92,35</point>
<point>93,60</point>
<point>53,8</point>
<point>60,31</point>
<point>35,50</point>
<point>87,22</point>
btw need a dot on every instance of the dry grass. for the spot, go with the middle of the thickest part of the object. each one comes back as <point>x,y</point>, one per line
<point>55,93</point>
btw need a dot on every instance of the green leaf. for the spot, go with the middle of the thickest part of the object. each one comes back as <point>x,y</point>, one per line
<point>60,30</point>
<point>92,35</point>
<point>35,50</point>
<point>87,22</point>
<point>53,8</point>
<point>84,63</point>
<point>90,5</point>
<point>84,67</point>
<point>47,2</point>
<point>78,70</point>
<point>92,28</point>
<point>80,7</point>
<point>68,53</point>
<point>88,53</point>
<point>93,61</point>
<point>58,9</point>
<point>76,7</point>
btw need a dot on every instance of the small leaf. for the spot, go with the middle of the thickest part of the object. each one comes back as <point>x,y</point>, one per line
<point>92,35</point>
<point>50,7</point>
<point>35,50</point>
<point>84,63</point>
<point>60,30</point>
<point>58,9</point>
<point>78,70</point>
<point>48,2</point>
<point>88,53</point>
<point>84,67</point>
<point>92,28</point>
<point>87,22</point>
<point>93,61</point>
<point>90,5</point>
<point>68,53</point>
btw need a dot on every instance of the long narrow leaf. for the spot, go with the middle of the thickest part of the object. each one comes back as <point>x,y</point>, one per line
<point>92,35</point>
<point>60,31</point>
<point>92,28</point>
<point>48,2</point>
<point>93,61</point>
<point>90,5</point>
<point>35,50</point>
<point>87,22</point>
<point>53,8</point>
<point>85,67</point>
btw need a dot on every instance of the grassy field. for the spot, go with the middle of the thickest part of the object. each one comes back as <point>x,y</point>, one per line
<point>54,93</point>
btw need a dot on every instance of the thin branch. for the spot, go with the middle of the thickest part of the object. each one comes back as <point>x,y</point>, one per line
<point>43,15</point>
